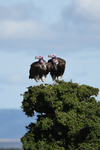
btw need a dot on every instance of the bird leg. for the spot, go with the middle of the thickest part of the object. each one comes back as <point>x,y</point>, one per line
<point>54,82</point>
<point>43,80</point>
<point>54,78</point>
<point>37,79</point>
<point>37,84</point>
<point>59,77</point>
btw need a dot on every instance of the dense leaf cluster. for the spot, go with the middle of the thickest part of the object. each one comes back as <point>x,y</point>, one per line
<point>68,117</point>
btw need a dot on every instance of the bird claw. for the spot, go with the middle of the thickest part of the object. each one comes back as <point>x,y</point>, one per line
<point>55,83</point>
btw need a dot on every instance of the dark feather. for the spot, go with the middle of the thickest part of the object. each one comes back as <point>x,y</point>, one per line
<point>38,69</point>
<point>57,69</point>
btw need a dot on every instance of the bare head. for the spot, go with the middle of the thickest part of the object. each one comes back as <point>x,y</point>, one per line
<point>39,57</point>
<point>52,56</point>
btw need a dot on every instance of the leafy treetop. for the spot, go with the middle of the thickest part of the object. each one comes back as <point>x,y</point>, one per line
<point>68,117</point>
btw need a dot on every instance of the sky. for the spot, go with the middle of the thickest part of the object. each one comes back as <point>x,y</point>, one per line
<point>28,28</point>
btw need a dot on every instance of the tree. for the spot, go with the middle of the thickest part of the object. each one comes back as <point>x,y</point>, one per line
<point>68,117</point>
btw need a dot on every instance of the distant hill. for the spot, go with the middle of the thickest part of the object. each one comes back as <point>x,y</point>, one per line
<point>12,123</point>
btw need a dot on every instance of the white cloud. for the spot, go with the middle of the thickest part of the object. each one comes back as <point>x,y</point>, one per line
<point>79,28</point>
<point>83,10</point>
<point>24,30</point>
<point>90,7</point>
<point>21,11</point>
<point>18,29</point>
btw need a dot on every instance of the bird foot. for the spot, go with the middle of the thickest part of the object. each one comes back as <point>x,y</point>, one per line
<point>55,83</point>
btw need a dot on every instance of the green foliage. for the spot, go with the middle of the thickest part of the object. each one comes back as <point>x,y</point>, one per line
<point>68,117</point>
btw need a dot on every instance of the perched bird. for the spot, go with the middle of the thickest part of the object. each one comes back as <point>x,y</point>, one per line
<point>38,70</point>
<point>56,67</point>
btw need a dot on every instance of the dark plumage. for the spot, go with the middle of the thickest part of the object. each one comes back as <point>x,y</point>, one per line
<point>56,67</point>
<point>38,70</point>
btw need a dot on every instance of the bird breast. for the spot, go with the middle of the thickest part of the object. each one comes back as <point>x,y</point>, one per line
<point>55,61</point>
<point>43,66</point>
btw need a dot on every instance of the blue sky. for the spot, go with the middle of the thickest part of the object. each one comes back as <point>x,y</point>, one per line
<point>29,28</point>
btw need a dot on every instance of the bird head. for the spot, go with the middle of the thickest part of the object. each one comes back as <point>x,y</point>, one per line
<point>52,56</point>
<point>39,57</point>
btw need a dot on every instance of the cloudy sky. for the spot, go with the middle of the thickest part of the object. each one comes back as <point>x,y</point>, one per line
<point>29,28</point>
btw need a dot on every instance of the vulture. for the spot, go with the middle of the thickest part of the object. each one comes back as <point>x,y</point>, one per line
<point>56,67</point>
<point>38,70</point>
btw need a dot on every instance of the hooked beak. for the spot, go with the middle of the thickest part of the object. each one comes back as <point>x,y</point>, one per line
<point>50,56</point>
<point>36,57</point>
